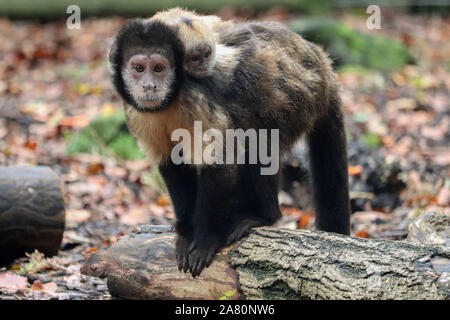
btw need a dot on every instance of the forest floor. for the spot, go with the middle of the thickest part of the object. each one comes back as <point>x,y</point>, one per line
<point>53,81</point>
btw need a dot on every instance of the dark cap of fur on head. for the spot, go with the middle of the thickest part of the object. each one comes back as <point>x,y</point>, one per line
<point>140,33</point>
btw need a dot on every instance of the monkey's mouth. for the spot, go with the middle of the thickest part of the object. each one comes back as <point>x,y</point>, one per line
<point>202,73</point>
<point>149,101</point>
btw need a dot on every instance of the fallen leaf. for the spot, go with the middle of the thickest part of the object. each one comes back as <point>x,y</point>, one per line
<point>78,216</point>
<point>401,104</point>
<point>135,216</point>
<point>362,234</point>
<point>388,141</point>
<point>11,282</point>
<point>30,144</point>
<point>399,79</point>
<point>93,249</point>
<point>74,122</point>
<point>289,211</point>
<point>95,168</point>
<point>108,109</point>
<point>355,170</point>
<point>443,198</point>
<point>163,200</point>
<point>369,217</point>
<point>48,288</point>
<point>303,221</point>
<point>157,211</point>
<point>83,88</point>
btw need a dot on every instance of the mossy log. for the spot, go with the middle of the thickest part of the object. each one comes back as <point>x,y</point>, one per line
<point>275,263</point>
<point>32,212</point>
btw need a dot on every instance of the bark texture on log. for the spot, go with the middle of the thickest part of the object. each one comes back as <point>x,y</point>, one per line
<point>274,263</point>
<point>32,212</point>
<point>142,265</point>
<point>299,264</point>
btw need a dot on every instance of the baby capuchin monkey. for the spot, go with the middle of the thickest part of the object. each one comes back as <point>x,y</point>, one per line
<point>199,35</point>
<point>265,77</point>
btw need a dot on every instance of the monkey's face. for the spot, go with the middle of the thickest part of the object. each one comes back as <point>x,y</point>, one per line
<point>147,65</point>
<point>149,78</point>
<point>199,61</point>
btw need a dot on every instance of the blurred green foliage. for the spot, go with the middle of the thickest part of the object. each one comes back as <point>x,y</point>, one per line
<point>155,181</point>
<point>350,47</point>
<point>57,8</point>
<point>371,140</point>
<point>105,135</point>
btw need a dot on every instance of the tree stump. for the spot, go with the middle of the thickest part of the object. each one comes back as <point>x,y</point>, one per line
<point>275,263</point>
<point>32,212</point>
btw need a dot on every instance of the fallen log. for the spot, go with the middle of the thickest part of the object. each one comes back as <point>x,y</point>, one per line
<point>31,211</point>
<point>275,263</point>
<point>142,265</point>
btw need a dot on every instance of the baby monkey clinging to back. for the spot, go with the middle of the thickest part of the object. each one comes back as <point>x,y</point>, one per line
<point>198,35</point>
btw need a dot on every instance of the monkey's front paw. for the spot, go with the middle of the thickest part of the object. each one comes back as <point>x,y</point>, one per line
<point>182,247</point>
<point>200,257</point>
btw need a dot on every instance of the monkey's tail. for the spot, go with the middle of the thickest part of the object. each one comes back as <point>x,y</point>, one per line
<point>328,155</point>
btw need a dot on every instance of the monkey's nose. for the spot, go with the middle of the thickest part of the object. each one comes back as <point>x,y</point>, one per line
<point>149,86</point>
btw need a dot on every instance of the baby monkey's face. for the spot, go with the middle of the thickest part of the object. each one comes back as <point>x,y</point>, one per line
<point>199,61</point>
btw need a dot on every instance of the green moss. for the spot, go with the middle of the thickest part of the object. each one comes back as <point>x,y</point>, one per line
<point>105,135</point>
<point>125,147</point>
<point>348,46</point>
<point>371,140</point>
<point>155,181</point>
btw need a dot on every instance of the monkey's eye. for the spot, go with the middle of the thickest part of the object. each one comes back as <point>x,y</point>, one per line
<point>139,68</point>
<point>207,54</point>
<point>158,68</point>
<point>195,59</point>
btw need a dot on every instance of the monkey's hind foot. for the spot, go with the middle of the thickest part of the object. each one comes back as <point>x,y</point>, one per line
<point>182,252</point>
<point>201,256</point>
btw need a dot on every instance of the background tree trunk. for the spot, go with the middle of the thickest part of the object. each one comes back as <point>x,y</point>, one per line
<point>274,263</point>
<point>31,212</point>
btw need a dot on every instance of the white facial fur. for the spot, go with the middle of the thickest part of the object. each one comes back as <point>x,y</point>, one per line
<point>148,88</point>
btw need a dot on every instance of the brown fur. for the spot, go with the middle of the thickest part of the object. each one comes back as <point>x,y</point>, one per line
<point>193,29</point>
<point>154,130</point>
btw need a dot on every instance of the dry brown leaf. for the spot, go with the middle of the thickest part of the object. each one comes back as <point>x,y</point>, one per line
<point>289,211</point>
<point>303,221</point>
<point>48,288</point>
<point>90,250</point>
<point>95,168</point>
<point>156,210</point>
<point>355,170</point>
<point>362,234</point>
<point>135,216</point>
<point>443,198</point>
<point>74,122</point>
<point>31,144</point>
<point>163,200</point>
<point>78,216</point>
<point>11,282</point>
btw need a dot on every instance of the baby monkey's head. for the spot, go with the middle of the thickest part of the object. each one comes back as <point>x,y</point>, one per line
<point>196,32</point>
<point>199,60</point>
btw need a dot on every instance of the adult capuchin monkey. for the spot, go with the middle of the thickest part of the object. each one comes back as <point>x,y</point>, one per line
<point>264,77</point>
